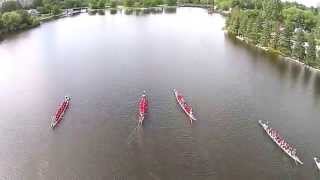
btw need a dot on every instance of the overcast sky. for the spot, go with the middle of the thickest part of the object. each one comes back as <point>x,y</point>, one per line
<point>308,2</point>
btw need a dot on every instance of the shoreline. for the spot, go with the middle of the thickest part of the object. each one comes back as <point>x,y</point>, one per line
<point>281,56</point>
<point>126,10</point>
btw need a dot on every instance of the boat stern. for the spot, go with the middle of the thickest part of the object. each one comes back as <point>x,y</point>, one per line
<point>141,118</point>
<point>53,125</point>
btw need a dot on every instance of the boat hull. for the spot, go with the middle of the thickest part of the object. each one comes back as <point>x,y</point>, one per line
<point>56,120</point>
<point>317,161</point>
<point>192,118</point>
<point>296,158</point>
<point>143,108</point>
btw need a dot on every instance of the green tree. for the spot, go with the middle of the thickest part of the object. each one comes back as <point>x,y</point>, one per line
<point>259,27</point>
<point>286,40</point>
<point>10,6</point>
<point>310,20</point>
<point>26,19</point>
<point>171,2</point>
<point>43,10</point>
<point>233,22</point>
<point>311,50</point>
<point>56,9</point>
<point>294,15</point>
<point>224,5</point>
<point>158,2</point>
<point>1,23</point>
<point>266,34</point>
<point>147,3</point>
<point>73,3</point>
<point>113,4</point>
<point>235,3</point>
<point>258,4</point>
<point>36,3</point>
<point>128,3</point>
<point>317,31</point>
<point>252,31</point>
<point>195,1</point>
<point>299,49</point>
<point>93,4</point>
<point>102,4</point>
<point>11,20</point>
<point>243,24</point>
<point>275,39</point>
<point>276,14</point>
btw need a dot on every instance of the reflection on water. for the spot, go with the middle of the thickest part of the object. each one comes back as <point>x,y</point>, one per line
<point>170,10</point>
<point>317,85</point>
<point>283,68</point>
<point>295,72</point>
<point>113,11</point>
<point>306,76</point>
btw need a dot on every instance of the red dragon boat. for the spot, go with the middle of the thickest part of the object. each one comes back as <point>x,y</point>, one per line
<point>280,141</point>
<point>143,107</point>
<point>186,107</point>
<point>60,112</point>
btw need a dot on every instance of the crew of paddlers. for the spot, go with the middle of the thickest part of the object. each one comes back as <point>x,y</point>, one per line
<point>185,105</point>
<point>61,109</point>
<point>280,140</point>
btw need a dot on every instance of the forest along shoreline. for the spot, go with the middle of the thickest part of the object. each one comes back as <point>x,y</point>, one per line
<point>16,17</point>
<point>290,30</point>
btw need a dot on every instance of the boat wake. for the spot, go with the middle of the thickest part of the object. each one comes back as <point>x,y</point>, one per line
<point>132,136</point>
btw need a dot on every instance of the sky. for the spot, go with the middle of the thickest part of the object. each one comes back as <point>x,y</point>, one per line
<point>308,2</point>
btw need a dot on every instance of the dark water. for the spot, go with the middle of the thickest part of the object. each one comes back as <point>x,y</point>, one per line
<point>105,62</point>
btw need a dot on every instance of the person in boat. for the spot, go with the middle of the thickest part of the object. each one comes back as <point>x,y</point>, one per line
<point>188,108</point>
<point>285,144</point>
<point>294,151</point>
<point>181,98</point>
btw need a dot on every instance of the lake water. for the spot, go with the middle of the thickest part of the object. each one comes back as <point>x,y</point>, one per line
<point>105,62</point>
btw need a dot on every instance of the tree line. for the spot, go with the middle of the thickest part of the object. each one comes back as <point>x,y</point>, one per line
<point>290,29</point>
<point>99,4</point>
<point>14,18</point>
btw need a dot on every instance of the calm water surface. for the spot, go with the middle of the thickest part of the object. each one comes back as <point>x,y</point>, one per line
<point>105,62</point>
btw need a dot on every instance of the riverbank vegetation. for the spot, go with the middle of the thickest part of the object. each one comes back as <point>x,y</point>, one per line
<point>14,18</point>
<point>101,4</point>
<point>289,29</point>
